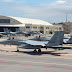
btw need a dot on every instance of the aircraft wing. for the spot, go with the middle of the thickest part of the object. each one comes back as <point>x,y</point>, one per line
<point>35,43</point>
<point>2,32</point>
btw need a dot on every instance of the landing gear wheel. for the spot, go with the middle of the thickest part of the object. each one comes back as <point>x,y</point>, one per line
<point>39,50</point>
<point>17,49</point>
<point>35,51</point>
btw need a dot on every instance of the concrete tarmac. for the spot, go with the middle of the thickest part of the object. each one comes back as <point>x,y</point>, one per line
<point>49,60</point>
<point>25,63</point>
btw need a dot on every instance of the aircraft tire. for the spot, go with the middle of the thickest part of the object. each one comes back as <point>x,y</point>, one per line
<point>35,51</point>
<point>17,50</point>
<point>39,50</point>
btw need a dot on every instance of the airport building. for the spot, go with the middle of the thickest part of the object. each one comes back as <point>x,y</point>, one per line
<point>26,24</point>
<point>58,27</point>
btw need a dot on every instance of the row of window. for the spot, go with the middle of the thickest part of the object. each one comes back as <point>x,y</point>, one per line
<point>4,20</point>
<point>58,28</point>
<point>27,26</point>
<point>36,27</point>
<point>47,27</point>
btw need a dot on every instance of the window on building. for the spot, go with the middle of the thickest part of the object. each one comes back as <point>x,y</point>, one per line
<point>38,27</point>
<point>41,27</point>
<point>35,27</point>
<point>27,26</point>
<point>50,32</point>
<point>60,28</point>
<point>4,20</point>
<point>47,27</point>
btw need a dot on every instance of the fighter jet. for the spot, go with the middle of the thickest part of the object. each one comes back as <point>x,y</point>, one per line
<point>68,40</point>
<point>55,41</point>
<point>18,31</point>
<point>7,32</point>
<point>39,38</point>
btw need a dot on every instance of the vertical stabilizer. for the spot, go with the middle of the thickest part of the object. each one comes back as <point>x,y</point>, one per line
<point>6,30</point>
<point>17,29</point>
<point>57,39</point>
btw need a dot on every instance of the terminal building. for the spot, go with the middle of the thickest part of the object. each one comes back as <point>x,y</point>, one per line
<point>25,24</point>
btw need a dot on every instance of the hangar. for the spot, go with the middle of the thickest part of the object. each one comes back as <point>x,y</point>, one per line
<point>25,24</point>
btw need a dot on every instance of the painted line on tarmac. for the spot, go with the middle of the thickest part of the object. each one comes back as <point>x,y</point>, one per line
<point>36,62</point>
<point>36,65</point>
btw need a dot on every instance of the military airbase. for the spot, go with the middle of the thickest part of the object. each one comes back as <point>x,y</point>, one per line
<point>22,52</point>
<point>25,60</point>
<point>35,35</point>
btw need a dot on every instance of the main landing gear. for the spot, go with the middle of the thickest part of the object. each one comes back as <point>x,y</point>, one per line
<point>39,51</point>
<point>17,49</point>
<point>35,51</point>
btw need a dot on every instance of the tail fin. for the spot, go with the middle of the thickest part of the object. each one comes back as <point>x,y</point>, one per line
<point>61,37</point>
<point>7,30</point>
<point>17,29</point>
<point>4,30</point>
<point>57,39</point>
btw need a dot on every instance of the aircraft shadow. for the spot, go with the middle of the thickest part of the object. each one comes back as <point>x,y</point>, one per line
<point>63,48</point>
<point>43,52</point>
<point>67,48</point>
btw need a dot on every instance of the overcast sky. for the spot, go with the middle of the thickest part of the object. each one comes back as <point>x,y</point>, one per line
<point>47,10</point>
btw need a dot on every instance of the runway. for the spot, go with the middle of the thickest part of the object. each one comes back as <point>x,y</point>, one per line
<point>11,63</point>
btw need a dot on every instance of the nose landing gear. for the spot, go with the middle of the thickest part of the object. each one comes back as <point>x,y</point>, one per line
<point>17,49</point>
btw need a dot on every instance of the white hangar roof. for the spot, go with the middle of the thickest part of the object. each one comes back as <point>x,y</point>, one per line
<point>19,25</point>
<point>30,21</point>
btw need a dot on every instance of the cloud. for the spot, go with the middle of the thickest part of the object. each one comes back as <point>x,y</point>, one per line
<point>7,0</point>
<point>53,12</point>
<point>60,2</point>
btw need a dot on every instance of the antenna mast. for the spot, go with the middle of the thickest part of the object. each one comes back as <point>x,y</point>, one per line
<point>66,17</point>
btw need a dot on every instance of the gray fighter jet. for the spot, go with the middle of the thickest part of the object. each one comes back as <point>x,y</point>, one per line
<point>18,31</point>
<point>39,38</point>
<point>6,32</point>
<point>55,41</point>
<point>68,40</point>
<point>26,33</point>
